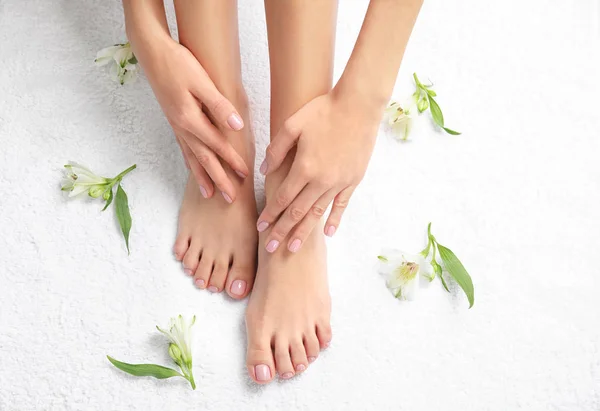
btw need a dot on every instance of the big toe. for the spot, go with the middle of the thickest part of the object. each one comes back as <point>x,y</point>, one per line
<point>240,280</point>
<point>259,361</point>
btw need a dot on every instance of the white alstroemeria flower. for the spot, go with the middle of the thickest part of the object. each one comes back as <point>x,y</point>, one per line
<point>124,68</point>
<point>80,179</point>
<point>401,271</point>
<point>400,119</point>
<point>179,334</point>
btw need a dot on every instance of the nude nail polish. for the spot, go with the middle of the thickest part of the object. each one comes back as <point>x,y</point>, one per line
<point>239,173</point>
<point>213,289</point>
<point>295,245</point>
<point>238,287</point>
<point>187,271</point>
<point>330,231</point>
<point>263,167</point>
<point>235,122</point>
<point>272,246</point>
<point>199,283</point>
<point>226,197</point>
<point>301,367</point>
<point>262,226</point>
<point>262,372</point>
<point>203,192</point>
<point>287,375</point>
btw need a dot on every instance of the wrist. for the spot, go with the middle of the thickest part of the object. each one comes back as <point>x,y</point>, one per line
<point>361,96</point>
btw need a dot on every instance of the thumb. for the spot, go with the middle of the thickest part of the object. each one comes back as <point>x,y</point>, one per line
<point>281,144</point>
<point>220,108</point>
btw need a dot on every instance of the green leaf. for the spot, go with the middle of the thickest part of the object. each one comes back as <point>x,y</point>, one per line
<point>110,199</point>
<point>458,272</point>
<point>133,60</point>
<point>382,258</point>
<point>436,112</point>
<point>123,215</point>
<point>145,370</point>
<point>443,281</point>
<point>454,133</point>
<point>431,92</point>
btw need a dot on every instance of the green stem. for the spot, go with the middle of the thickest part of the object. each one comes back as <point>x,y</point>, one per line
<point>124,172</point>
<point>425,251</point>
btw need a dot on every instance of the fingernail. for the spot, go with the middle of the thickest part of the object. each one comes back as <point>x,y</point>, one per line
<point>263,372</point>
<point>300,367</point>
<point>199,283</point>
<point>238,287</point>
<point>213,289</point>
<point>272,246</point>
<point>330,231</point>
<point>295,246</point>
<point>203,192</point>
<point>239,173</point>
<point>226,197</point>
<point>187,271</point>
<point>311,359</point>
<point>235,122</point>
<point>262,226</point>
<point>287,375</point>
<point>263,167</point>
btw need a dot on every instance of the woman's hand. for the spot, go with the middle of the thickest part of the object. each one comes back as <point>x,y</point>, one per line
<point>182,87</point>
<point>335,139</point>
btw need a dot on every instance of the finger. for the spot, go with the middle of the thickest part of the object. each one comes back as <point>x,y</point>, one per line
<point>337,209</point>
<point>187,163</point>
<point>200,175</point>
<point>312,218</point>
<point>200,126</point>
<point>222,110</point>
<point>211,164</point>
<point>295,214</point>
<point>281,144</point>
<point>281,199</point>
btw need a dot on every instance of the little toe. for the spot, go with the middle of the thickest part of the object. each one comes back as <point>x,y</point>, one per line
<point>311,345</point>
<point>259,360</point>
<point>324,334</point>
<point>219,275</point>
<point>182,244</point>
<point>190,259</point>
<point>283,361</point>
<point>204,270</point>
<point>298,354</point>
<point>239,280</point>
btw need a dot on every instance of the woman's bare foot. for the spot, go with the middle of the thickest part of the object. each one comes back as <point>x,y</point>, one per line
<point>287,320</point>
<point>217,241</point>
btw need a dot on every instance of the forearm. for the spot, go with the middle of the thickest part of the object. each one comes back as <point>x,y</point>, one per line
<point>373,66</point>
<point>145,23</point>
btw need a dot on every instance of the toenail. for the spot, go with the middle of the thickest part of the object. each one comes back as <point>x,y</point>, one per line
<point>287,375</point>
<point>326,344</point>
<point>263,372</point>
<point>311,359</point>
<point>226,197</point>
<point>213,289</point>
<point>200,283</point>
<point>330,231</point>
<point>300,367</point>
<point>272,246</point>
<point>238,287</point>
<point>187,271</point>
<point>295,246</point>
<point>262,226</point>
<point>203,192</point>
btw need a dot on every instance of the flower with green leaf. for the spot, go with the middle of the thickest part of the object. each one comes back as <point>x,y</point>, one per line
<point>424,99</point>
<point>124,65</point>
<point>401,271</point>
<point>179,334</point>
<point>399,118</point>
<point>80,179</point>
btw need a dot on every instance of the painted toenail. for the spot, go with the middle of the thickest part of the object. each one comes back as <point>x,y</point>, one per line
<point>262,226</point>
<point>295,246</point>
<point>203,192</point>
<point>311,359</point>
<point>272,246</point>
<point>200,283</point>
<point>326,344</point>
<point>187,271</point>
<point>213,289</point>
<point>263,372</point>
<point>300,367</point>
<point>287,375</point>
<point>238,287</point>
<point>330,231</point>
<point>226,197</point>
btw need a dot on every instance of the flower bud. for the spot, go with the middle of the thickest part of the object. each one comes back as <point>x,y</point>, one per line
<point>96,191</point>
<point>423,104</point>
<point>175,353</point>
<point>106,194</point>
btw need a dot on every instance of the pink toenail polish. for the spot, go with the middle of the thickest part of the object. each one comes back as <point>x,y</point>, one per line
<point>326,345</point>
<point>312,359</point>
<point>187,271</point>
<point>203,192</point>
<point>262,226</point>
<point>263,372</point>
<point>235,122</point>
<point>213,289</point>
<point>287,375</point>
<point>200,283</point>
<point>300,367</point>
<point>264,167</point>
<point>238,287</point>
<point>295,246</point>
<point>239,173</point>
<point>272,246</point>
<point>226,197</point>
<point>330,231</point>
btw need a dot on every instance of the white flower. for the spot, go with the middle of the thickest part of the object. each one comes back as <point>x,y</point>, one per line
<point>80,179</point>
<point>401,271</point>
<point>180,335</point>
<point>399,119</point>
<point>124,68</point>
